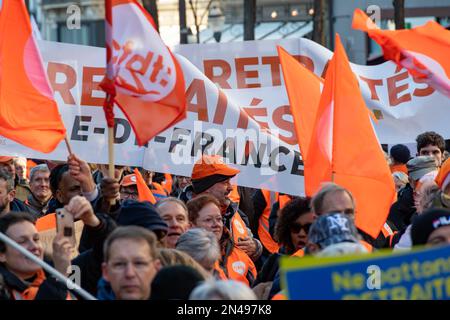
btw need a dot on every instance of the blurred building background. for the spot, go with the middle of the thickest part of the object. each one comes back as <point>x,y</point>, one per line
<point>223,20</point>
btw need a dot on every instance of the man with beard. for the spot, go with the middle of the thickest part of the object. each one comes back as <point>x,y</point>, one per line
<point>211,176</point>
<point>7,195</point>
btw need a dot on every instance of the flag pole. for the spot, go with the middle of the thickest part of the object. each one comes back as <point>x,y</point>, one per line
<point>69,283</point>
<point>69,147</point>
<point>108,87</point>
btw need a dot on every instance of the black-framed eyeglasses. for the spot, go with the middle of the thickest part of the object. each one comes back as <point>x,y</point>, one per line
<point>296,227</point>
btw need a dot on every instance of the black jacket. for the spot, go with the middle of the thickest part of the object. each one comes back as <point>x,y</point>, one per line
<point>50,289</point>
<point>17,205</point>
<point>402,211</point>
<point>90,261</point>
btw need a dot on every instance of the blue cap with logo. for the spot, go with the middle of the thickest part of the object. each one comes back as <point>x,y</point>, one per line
<point>332,228</point>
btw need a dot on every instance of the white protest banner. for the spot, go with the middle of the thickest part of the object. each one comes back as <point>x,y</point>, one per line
<point>216,121</point>
<point>404,106</point>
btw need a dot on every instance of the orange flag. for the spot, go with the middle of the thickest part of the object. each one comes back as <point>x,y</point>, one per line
<point>28,113</point>
<point>345,150</point>
<point>303,89</point>
<point>144,192</point>
<point>423,51</point>
<point>144,77</point>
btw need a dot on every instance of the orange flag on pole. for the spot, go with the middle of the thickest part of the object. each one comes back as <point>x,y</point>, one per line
<point>423,51</point>
<point>28,113</point>
<point>144,192</point>
<point>345,150</point>
<point>145,78</point>
<point>303,89</point>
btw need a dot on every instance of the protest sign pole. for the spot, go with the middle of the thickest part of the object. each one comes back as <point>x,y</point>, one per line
<point>108,86</point>
<point>69,147</point>
<point>69,283</point>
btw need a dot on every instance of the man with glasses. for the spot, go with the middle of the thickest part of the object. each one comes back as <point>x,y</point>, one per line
<point>128,188</point>
<point>131,262</point>
<point>333,198</point>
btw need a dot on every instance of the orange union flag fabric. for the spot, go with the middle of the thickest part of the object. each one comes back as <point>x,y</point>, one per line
<point>148,82</point>
<point>28,113</point>
<point>303,89</point>
<point>423,51</point>
<point>144,192</point>
<point>345,150</point>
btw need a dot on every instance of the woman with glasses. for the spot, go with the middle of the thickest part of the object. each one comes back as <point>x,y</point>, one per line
<point>204,212</point>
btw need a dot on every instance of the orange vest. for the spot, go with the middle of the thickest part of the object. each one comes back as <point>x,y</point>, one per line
<point>386,230</point>
<point>46,222</point>
<point>234,195</point>
<point>299,253</point>
<point>399,167</point>
<point>30,165</point>
<point>238,228</point>
<point>367,245</point>
<point>167,183</point>
<point>279,296</point>
<point>158,191</point>
<point>263,224</point>
<point>237,267</point>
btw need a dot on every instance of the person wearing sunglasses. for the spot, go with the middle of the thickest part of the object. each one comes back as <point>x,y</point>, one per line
<point>291,230</point>
<point>291,233</point>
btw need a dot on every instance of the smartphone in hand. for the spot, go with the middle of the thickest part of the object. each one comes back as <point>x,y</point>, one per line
<point>65,225</point>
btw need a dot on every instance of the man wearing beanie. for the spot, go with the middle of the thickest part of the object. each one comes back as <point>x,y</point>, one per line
<point>432,228</point>
<point>400,155</point>
<point>212,176</point>
<point>142,214</point>
<point>420,169</point>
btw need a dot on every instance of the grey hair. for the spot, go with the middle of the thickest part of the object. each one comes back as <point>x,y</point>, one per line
<point>39,168</point>
<point>222,290</point>
<point>160,203</point>
<point>343,248</point>
<point>200,244</point>
<point>318,200</point>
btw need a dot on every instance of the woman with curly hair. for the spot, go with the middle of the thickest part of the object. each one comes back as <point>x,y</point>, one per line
<point>291,230</point>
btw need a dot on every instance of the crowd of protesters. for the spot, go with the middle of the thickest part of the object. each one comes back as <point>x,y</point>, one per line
<point>204,238</point>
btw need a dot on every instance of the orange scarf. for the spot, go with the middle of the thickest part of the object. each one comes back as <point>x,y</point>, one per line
<point>31,292</point>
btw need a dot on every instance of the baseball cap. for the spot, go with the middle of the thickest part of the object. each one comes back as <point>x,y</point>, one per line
<point>5,159</point>
<point>420,166</point>
<point>425,223</point>
<point>332,228</point>
<point>128,180</point>
<point>212,165</point>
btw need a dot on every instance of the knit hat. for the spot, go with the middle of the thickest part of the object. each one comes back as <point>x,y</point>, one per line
<point>420,166</point>
<point>400,153</point>
<point>424,224</point>
<point>175,282</point>
<point>332,228</point>
<point>141,214</point>
<point>210,170</point>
